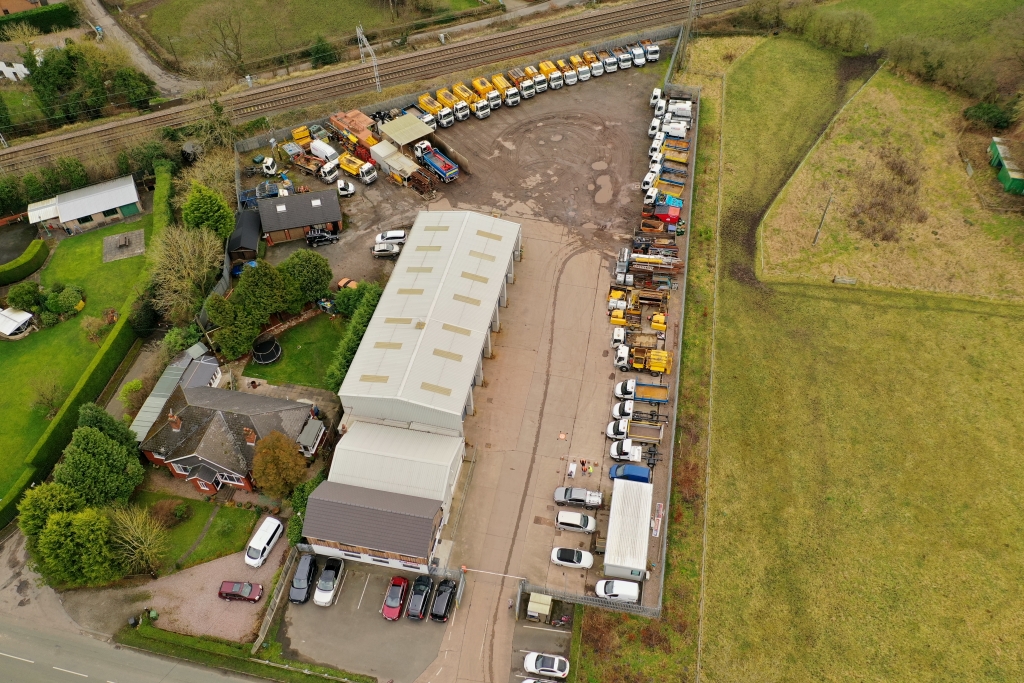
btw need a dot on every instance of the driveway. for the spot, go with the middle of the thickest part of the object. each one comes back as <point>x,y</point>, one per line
<point>538,637</point>
<point>353,635</point>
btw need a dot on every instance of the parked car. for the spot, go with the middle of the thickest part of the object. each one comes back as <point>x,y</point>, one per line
<point>444,598</point>
<point>392,237</point>
<point>575,521</point>
<point>570,557</point>
<point>304,580</point>
<point>319,237</point>
<point>394,599</point>
<point>618,591</point>
<point>236,590</point>
<point>347,283</point>
<point>631,473</point>
<point>330,579</point>
<point>578,498</point>
<point>419,598</point>
<point>346,189</point>
<point>546,665</point>
<point>385,250</point>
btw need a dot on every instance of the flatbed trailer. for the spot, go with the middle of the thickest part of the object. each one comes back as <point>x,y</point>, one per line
<point>648,432</point>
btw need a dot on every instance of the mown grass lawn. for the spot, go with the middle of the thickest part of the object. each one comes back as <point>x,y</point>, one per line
<point>64,349</point>
<point>306,351</point>
<point>228,534</point>
<point>181,536</point>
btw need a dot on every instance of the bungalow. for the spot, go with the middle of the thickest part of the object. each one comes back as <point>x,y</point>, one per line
<point>89,207</point>
<point>292,217</point>
<point>208,436</point>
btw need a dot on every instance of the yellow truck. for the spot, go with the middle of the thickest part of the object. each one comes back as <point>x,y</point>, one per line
<point>509,93</point>
<point>459,108</point>
<point>540,81</point>
<point>487,92</point>
<point>595,64</point>
<point>357,168</point>
<point>442,114</point>
<point>569,74</point>
<point>582,68</point>
<point>655,361</point>
<point>523,83</point>
<point>552,73</point>
<point>476,104</point>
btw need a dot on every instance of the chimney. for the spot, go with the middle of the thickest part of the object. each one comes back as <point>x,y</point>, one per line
<point>173,420</point>
<point>250,436</point>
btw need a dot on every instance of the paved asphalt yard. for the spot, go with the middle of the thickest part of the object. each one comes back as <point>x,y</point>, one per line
<point>567,166</point>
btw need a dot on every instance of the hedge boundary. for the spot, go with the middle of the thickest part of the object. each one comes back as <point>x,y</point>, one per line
<point>47,451</point>
<point>47,19</point>
<point>31,260</point>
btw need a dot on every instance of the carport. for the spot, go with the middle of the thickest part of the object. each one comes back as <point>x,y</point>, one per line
<point>405,130</point>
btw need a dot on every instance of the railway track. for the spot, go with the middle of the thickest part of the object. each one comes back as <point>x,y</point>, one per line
<point>419,65</point>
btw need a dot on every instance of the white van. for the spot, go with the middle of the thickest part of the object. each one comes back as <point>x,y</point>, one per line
<point>618,591</point>
<point>654,128</point>
<point>656,144</point>
<point>659,108</point>
<point>321,149</point>
<point>655,96</point>
<point>263,541</point>
<point>648,181</point>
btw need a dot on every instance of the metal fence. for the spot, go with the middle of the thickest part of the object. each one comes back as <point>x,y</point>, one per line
<point>275,600</point>
<point>591,601</point>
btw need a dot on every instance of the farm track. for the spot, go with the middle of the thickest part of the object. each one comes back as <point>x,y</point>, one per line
<point>417,65</point>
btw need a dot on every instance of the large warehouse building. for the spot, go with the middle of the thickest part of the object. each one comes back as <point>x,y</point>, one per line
<point>408,390</point>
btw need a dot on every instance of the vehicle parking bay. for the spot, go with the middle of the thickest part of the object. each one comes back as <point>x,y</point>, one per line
<point>537,637</point>
<point>352,634</point>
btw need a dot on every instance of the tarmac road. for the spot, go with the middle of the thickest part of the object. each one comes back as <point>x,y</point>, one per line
<point>28,655</point>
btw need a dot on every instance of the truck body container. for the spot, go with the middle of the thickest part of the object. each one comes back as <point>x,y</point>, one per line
<point>553,74</point>
<point>651,49</point>
<point>633,390</point>
<point>595,64</point>
<point>624,56</point>
<point>540,81</point>
<point>509,93</point>
<point>487,92</point>
<point>460,110</point>
<point>302,137</point>
<point>569,75</point>
<point>443,167</point>
<point>581,66</point>
<point>523,83</point>
<point>463,93</point>
<point>442,114</point>
<point>648,432</point>
<point>629,528</point>
<point>610,61</point>
<point>357,168</point>
<point>423,116</point>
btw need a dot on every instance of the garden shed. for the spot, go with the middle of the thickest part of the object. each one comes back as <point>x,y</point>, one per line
<point>1006,157</point>
<point>290,218</point>
<point>244,243</point>
<point>89,207</point>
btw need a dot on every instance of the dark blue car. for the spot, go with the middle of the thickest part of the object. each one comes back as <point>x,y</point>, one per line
<point>639,473</point>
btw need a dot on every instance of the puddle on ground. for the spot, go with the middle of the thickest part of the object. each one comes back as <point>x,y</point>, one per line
<point>599,165</point>
<point>604,194</point>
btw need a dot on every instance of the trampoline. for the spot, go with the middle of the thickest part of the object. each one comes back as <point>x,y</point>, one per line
<point>265,349</point>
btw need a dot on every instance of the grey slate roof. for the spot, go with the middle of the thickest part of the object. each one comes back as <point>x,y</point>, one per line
<point>203,472</point>
<point>248,229</point>
<point>388,522</point>
<point>300,210</point>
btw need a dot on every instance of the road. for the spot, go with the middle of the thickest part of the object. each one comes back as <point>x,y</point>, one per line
<point>29,655</point>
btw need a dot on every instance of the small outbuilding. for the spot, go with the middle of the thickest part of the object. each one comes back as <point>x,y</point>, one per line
<point>292,217</point>
<point>14,324</point>
<point>244,242</point>
<point>1004,158</point>
<point>405,130</point>
<point>89,207</point>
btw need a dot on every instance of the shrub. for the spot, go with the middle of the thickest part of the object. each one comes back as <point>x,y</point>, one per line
<point>311,272</point>
<point>170,511</point>
<point>30,261</point>
<point>99,468</point>
<point>77,548</point>
<point>144,317</point>
<point>321,53</point>
<point>349,343</point>
<point>178,339</point>
<point>47,19</point>
<point>277,466</point>
<point>204,208</point>
<point>126,396</point>
<point>989,114</point>
<point>91,415</point>
<point>41,502</point>
<point>24,296</point>
<point>138,539</point>
<point>48,319</point>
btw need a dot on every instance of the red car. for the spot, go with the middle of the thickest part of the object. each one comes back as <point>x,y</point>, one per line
<point>395,598</point>
<point>236,590</point>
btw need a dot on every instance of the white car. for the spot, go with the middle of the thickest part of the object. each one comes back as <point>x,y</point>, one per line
<point>655,96</point>
<point>346,189</point>
<point>546,665</point>
<point>618,591</point>
<point>385,250</point>
<point>330,579</point>
<point>392,237</point>
<point>575,521</point>
<point>570,557</point>
<point>622,410</point>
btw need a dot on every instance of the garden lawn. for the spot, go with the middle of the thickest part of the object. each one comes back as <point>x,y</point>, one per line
<point>22,105</point>
<point>953,20</point>
<point>228,534</point>
<point>306,352</point>
<point>64,349</point>
<point>184,534</point>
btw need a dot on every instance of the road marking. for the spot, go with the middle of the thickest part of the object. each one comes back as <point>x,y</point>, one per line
<point>70,672</point>
<point>364,592</point>
<point>20,659</point>
<point>484,639</point>
<point>553,630</point>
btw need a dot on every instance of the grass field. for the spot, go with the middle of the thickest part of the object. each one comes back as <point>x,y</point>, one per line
<point>22,104</point>
<point>64,349</point>
<point>228,534</point>
<point>960,246</point>
<point>181,536</point>
<point>307,349</point>
<point>865,492</point>
<point>953,20</point>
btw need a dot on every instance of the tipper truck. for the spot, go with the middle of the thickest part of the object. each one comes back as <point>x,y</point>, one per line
<point>357,168</point>
<point>624,56</point>
<point>582,68</point>
<point>487,92</point>
<point>422,116</point>
<point>610,61</point>
<point>552,73</point>
<point>326,172</point>
<point>569,74</point>
<point>476,104</point>
<point>632,390</point>
<point>595,64</point>
<point>443,167</point>
<point>523,82</point>
<point>509,94</point>
<point>460,109</point>
<point>638,54</point>
<point>442,114</point>
<point>650,432</point>
<point>540,81</point>
<point>653,361</point>
<point>651,49</point>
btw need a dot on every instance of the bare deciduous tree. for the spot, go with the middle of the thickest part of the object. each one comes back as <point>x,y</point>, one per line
<point>184,261</point>
<point>49,393</point>
<point>221,32</point>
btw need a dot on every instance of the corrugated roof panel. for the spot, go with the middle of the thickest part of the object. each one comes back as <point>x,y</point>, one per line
<point>151,410</point>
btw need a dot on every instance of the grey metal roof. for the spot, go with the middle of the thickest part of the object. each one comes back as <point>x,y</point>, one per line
<point>629,524</point>
<point>197,350</point>
<point>153,408</point>
<point>199,372</point>
<point>309,433</point>
<point>388,522</point>
<point>405,129</point>
<point>299,210</point>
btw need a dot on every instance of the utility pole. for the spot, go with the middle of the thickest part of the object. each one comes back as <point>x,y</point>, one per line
<point>365,47</point>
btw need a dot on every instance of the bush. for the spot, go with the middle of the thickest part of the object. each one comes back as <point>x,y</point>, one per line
<point>321,53</point>
<point>144,317</point>
<point>48,319</point>
<point>991,115</point>
<point>101,469</point>
<point>24,296</point>
<point>76,548</point>
<point>204,208</point>
<point>30,261</point>
<point>47,19</point>
<point>178,339</point>
<point>41,502</point>
<point>349,344</point>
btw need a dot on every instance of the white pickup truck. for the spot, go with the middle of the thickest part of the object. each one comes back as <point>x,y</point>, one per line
<point>578,497</point>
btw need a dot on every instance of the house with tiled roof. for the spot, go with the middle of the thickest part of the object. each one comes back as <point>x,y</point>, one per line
<point>208,436</point>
